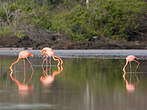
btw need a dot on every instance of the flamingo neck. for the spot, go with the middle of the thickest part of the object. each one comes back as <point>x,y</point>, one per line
<point>11,67</point>
<point>11,74</point>
<point>60,61</point>
<point>124,68</point>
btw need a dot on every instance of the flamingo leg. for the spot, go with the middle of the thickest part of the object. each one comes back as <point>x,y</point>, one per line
<point>31,68</point>
<point>43,71</point>
<point>130,67</point>
<point>50,64</point>
<point>130,71</point>
<point>30,65</point>
<point>46,66</point>
<point>24,71</point>
<point>137,65</point>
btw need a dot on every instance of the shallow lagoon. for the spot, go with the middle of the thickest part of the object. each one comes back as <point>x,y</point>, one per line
<point>86,83</point>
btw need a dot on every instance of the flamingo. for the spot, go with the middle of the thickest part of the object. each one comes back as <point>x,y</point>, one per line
<point>22,55</point>
<point>48,52</point>
<point>129,59</point>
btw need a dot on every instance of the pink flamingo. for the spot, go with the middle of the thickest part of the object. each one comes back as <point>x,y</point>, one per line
<point>130,87</point>
<point>22,55</point>
<point>48,52</point>
<point>129,59</point>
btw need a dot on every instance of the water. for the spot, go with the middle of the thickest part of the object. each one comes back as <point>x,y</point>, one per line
<point>84,84</point>
<point>113,54</point>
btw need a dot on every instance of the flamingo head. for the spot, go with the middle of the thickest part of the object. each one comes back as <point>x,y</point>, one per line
<point>24,54</point>
<point>43,50</point>
<point>130,58</point>
<point>30,54</point>
<point>46,49</point>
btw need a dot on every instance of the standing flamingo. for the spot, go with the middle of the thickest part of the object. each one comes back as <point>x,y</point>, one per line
<point>48,79</point>
<point>22,55</point>
<point>48,52</point>
<point>129,59</point>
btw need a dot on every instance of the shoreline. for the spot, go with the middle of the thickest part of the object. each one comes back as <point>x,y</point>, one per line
<point>16,43</point>
<point>85,53</point>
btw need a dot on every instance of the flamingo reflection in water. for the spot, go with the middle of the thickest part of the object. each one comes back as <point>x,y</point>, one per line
<point>130,84</point>
<point>47,79</point>
<point>25,85</point>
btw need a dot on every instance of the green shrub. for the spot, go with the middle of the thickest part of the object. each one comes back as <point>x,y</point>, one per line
<point>106,19</point>
<point>19,34</point>
<point>118,19</point>
<point>111,19</point>
<point>75,23</point>
<point>5,31</point>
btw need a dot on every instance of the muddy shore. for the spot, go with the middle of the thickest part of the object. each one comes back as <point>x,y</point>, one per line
<point>59,43</point>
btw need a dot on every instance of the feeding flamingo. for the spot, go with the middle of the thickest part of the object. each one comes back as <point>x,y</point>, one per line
<point>22,55</point>
<point>130,59</point>
<point>48,52</point>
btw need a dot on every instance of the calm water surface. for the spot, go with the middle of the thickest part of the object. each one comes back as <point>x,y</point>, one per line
<point>84,84</point>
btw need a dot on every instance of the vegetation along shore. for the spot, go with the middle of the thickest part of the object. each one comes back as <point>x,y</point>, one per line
<point>71,24</point>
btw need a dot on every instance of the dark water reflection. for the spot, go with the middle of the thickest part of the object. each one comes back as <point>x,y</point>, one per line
<point>84,84</point>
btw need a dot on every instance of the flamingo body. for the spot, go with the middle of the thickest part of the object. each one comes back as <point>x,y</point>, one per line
<point>47,51</point>
<point>130,58</point>
<point>24,54</point>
